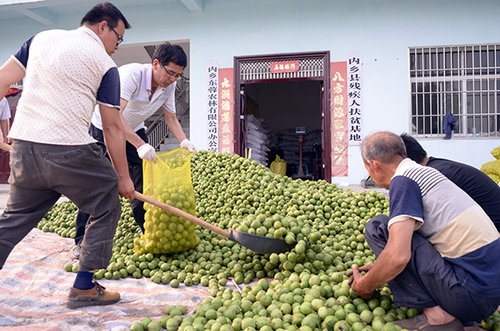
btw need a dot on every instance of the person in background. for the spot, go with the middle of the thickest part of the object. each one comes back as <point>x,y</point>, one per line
<point>434,257</point>
<point>4,119</point>
<point>145,88</point>
<point>52,153</point>
<point>474,182</point>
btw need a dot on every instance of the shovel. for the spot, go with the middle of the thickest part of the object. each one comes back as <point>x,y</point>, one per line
<point>258,244</point>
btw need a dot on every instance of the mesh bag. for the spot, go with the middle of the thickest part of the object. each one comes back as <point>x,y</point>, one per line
<point>168,180</point>
<point>496,153</point>
<point>278,166</point>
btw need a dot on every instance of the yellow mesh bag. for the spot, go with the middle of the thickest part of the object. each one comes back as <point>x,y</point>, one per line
<point>492,169</point>
<point>278,166</point>
<point>168,180</point>
<point>496,153</point>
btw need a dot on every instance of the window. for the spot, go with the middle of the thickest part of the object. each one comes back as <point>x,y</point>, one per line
<point>462,80</point>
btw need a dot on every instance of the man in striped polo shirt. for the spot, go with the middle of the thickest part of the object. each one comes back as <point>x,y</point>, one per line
<point>65,74</point>
<point>432,255</point>
<point>471,180</point>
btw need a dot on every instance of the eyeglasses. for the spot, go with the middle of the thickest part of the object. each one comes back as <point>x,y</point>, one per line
<point>120,38</point>
<point>172,74</point>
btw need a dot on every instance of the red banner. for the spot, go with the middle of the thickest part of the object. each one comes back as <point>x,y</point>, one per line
<point>226,111</point>
<point>284,66</point>
<point>339,125</point>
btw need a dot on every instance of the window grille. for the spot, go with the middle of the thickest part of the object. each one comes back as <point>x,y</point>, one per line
<point>462,80</point>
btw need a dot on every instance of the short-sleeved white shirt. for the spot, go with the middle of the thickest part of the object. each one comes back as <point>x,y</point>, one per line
<point>135,87</point>
<point>4,109</point>
<point>67,73</point>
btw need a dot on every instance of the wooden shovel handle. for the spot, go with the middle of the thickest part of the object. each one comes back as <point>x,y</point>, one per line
<point>181,213</point>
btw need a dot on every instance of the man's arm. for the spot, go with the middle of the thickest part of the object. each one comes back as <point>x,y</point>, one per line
<point>130,135</point>
<point>391,261</point>
<point>144,150</point>
<point>115,142</point>
<point>10,72</point>
<point>4,126</point>
<point>174,126</point>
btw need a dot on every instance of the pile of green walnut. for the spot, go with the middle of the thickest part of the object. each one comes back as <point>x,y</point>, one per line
<point>303,289</point>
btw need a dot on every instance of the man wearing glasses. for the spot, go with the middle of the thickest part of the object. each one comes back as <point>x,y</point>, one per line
<point>66,73</point>
<point>145,88</point>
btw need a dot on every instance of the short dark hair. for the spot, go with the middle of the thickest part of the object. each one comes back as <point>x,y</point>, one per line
<point>105,11</point>
<point>414,150</point>
<point>383,146</point>
<point>166,53</point>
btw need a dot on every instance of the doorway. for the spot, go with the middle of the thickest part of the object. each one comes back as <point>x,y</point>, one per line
<point>285,114</point>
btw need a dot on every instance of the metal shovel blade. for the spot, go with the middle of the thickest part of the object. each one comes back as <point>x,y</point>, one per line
<point>260,244</point>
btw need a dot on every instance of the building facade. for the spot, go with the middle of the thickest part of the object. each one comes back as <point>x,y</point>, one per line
<point>319,74</point>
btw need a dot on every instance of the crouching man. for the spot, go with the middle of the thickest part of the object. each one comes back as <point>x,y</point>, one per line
<point>433,257</point>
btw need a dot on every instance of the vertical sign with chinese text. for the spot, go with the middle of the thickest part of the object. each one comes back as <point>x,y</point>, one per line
<point>354,96</point>
<point>339,118</point>
<point>226,111</point>
<point>212,104</point>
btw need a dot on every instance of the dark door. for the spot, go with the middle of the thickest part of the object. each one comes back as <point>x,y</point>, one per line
<point>314,66</point>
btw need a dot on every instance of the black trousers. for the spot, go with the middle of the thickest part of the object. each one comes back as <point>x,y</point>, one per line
<point>135,170</point>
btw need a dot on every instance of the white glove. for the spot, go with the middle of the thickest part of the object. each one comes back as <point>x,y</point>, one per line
<point>147,152</point>
<point>188,145</point>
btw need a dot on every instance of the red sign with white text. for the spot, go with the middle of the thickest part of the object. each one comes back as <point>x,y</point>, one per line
<point>284,66</point>
<point>338,71</point>
<point>226,111</point>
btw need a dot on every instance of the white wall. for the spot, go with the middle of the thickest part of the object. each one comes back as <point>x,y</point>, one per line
<point>380,30</point>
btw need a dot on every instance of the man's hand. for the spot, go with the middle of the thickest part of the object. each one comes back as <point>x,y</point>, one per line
<point>188,145</point>
<point>355,281</point>
<point>147,152</point>
<point>126,188</point>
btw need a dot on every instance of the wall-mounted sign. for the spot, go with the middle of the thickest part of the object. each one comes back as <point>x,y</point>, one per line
<point>339,125</point>
<point>300,130</point>
<point>354,96</point>
<point>213,108</point>
<point>226,110</point>
<point>284,66</point>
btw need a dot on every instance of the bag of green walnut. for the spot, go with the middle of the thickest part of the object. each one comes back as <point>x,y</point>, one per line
<point>168,180</point>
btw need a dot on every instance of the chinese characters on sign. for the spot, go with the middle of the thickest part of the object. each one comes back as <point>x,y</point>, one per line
<point>226,111</point>
<point>354,99</point>
<point>212,103</point>
<point>339,125</point>
<point>284,66</point>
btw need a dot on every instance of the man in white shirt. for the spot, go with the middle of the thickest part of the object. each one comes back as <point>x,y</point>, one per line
<point>4,118</point>
<point>144,89</point>
<point>68,72</point>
